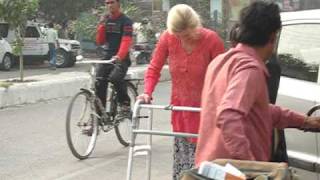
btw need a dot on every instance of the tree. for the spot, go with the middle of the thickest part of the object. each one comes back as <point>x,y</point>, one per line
<point>17,13</point>
<point>61,11</point>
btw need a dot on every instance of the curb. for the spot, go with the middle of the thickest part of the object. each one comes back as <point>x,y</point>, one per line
<point>53,86</point>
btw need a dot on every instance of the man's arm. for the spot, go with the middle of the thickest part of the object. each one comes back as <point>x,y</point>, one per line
<point>101,34</point>
<point>159,57</point>
<point>285,118</point>
<point>126,40</point>
<point>243,90</point>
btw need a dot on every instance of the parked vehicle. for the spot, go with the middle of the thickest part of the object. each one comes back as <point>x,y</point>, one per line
<point>36,46</point>
<point>141,53</point>
<point>298,53</point>
<point>6,57</point>
<point>145,39</point>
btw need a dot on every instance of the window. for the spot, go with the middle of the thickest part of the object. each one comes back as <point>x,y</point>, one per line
<point>4,29</point>
<point>157,5</point>
<point>299,51</point>
<point>32,32</point>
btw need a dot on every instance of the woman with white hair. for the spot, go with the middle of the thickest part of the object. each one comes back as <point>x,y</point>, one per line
<point>188,48</point>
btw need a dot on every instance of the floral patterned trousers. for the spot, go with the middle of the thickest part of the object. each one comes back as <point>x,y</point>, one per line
<point>183,156</point>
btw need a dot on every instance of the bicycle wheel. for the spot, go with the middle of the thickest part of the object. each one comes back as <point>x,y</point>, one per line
<point>123,128</point>
<point>81,125</point>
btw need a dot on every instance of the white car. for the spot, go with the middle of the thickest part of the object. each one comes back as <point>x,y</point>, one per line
<point>6,57</point>
<point>36,46</point>
<point>298,53</point>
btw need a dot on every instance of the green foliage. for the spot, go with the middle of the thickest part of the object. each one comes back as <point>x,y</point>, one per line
<point>61,11</point>
<point>6,85</point>
<point>85,26</point>
<point>130,9</point>
<point>16,13</point>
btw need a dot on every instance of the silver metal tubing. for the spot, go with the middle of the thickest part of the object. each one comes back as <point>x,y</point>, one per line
<point>134,125</point>
<point>149,142</point>
<point>170,107</point>
<point>95,61</point>
<point>146,149</point>
<point>162,133</point>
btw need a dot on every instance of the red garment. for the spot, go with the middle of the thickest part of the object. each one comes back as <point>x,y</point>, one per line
<point>187,74</point>
<point>236,118</point>
<point>126,39</point>
<point>101,34</point>
<point>124,47</point>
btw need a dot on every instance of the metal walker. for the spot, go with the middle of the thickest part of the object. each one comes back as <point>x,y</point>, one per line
<point>146,150</point>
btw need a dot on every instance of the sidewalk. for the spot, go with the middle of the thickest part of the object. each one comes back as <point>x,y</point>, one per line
<point>52,86</point>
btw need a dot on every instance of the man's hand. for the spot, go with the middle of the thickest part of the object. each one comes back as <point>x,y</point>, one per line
<point>102,19</point>
<point>116,59</point>
<point>145,98</point>
<point>311,124</point>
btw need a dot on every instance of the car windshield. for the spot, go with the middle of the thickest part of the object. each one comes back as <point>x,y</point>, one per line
<point>299,51</point>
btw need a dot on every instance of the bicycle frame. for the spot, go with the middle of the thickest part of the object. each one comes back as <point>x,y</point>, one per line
<point>92,88</point>
<point>147,148</point>
<point>99,116</point>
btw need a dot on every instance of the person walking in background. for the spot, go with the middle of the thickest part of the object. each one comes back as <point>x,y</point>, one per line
<point>236,118</point>
<point>115,33</point>
<point>188,48</point>
<point>53,42</point>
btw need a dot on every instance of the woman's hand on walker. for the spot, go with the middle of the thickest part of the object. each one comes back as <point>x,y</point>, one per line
<point>146,98</point>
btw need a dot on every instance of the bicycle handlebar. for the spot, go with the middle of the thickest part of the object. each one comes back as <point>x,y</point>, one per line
<point>96,61</point>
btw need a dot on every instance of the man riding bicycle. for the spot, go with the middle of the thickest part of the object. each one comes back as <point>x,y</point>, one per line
<point>115,33</point>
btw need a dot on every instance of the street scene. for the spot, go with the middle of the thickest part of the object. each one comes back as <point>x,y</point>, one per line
<point>34,146</point>
<point>232,87</point>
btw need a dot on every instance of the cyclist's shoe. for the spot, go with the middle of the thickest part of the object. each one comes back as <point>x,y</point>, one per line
<point>125,112</point>
<point>89,131</point>
<point>88,128</point>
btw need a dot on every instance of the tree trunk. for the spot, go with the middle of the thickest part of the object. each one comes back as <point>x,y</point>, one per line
<point>21,66</point>
<point>20,40</point>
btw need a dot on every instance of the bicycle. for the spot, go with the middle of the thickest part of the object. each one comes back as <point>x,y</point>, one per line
<point>83,119</point>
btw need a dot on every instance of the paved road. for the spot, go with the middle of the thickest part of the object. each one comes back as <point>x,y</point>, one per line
<point>33,146</point>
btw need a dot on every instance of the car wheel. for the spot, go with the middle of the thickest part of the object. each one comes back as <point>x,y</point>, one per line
<point>72,61</point>
<point>62,58</point>
<point>6,62</point>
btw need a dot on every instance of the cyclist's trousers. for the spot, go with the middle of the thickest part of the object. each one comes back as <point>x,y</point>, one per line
<point>115,74</point>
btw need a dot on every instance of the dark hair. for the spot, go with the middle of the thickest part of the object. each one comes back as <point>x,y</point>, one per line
<point>257,22</point>
<point>233,34</point>
<point>50,25</point>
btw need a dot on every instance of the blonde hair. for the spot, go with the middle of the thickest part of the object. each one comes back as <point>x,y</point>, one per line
<point>182,17</point>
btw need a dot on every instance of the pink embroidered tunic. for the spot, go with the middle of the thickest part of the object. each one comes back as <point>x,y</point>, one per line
<point>187,74</point>
<point>236,117</point>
